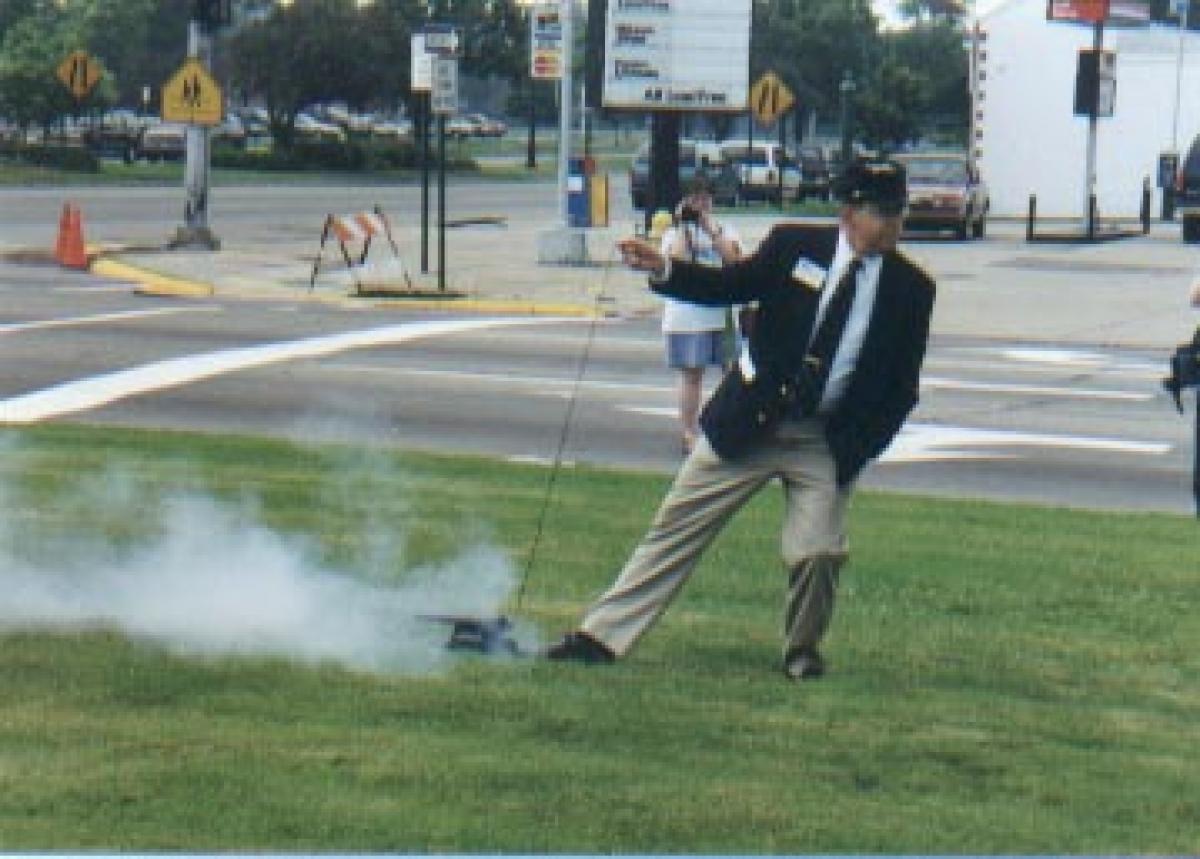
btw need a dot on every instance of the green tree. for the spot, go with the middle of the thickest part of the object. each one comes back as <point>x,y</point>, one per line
<point>945,11</point>
<point>33,48</point>
<point>812,44</point>
<point>890,108</point>
<point>319,50</point>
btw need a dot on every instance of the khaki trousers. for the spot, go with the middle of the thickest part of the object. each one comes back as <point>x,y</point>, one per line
<point>706,493</point>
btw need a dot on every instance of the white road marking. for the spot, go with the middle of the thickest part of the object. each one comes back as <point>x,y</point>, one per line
<point>1057,357</point>
<point>928,443</point>
<point>935,383</point>
<point>491,379</point>
<point>1125,369</point>
<point>72,322</point>
<point>96,391</point>
<point>119,287</point>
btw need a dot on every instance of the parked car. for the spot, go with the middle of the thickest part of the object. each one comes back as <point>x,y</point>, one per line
<point>393,129</point>
<point>945,193</point>
<point>486,126</point>
<point>116,135</point>
<point>230,131</point>
<point>758,166</point>
<point>309,128</point>
<point>164,141</point>
<point>694,156</point>
<point>460,127</point>
<point>1187,193</point>
<point>814,174</point>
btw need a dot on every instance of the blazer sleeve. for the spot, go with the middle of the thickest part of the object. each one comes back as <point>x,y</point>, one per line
<point>749,279</point>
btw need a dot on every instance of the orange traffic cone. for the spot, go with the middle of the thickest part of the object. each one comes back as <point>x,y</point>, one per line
<point>74,255</point>
<point>64,224</point>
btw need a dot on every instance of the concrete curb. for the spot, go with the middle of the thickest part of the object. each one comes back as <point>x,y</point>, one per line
<point>152,283</point>
<point>149,282</point>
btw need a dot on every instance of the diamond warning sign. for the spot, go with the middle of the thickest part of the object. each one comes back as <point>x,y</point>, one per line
<point>193,96</point>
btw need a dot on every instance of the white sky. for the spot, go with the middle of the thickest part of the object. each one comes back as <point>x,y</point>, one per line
<point>886,9</point>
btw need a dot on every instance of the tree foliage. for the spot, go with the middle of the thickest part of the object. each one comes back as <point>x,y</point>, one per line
<point>312,51</point>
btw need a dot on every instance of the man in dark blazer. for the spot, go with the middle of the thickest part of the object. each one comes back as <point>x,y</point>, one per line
<point>828,377</point>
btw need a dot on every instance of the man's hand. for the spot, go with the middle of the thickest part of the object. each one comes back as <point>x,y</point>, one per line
<point>642,255</point>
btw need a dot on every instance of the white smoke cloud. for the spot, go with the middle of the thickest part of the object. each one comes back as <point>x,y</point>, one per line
<point>207,577</point>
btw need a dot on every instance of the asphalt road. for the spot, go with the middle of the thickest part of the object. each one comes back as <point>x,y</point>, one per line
<point>1001,419</point>
<point>250,214</point>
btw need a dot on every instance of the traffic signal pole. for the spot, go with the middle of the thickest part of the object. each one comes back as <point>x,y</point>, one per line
<point>195,232</point>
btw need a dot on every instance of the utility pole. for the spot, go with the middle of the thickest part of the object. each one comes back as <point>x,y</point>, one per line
<point>195,232</point>
<point>1089,179</point>
<point>564,120</point>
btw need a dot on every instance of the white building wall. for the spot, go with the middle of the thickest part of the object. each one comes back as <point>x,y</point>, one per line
<point>1030,141</point>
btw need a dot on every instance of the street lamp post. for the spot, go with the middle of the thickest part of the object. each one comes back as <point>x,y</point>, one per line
<point>847,90</point>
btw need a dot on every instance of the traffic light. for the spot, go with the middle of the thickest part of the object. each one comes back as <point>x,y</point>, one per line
<point>212,14</point>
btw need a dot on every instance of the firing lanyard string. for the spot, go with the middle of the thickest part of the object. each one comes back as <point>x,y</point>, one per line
<point>564,433</point>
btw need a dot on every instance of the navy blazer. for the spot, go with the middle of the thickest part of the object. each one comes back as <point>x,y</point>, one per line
<point>883,387</point>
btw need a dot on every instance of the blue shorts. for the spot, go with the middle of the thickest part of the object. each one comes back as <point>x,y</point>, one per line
<point>695,349</point>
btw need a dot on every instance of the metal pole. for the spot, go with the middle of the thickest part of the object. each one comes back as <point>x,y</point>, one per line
<point>783,155</point>
<point>441,202</point>
<point>195,231</point>
<point>531,146</point>
<point>564,116</point>
<point>425,110</point>
<point>1089,180</point>
<point>1183,25</point>
<point>847,89</point>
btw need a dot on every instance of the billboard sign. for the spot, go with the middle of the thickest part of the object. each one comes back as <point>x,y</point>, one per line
<point>1097,11</point>
<point>421,71</point>
<point>545,43</point>
<point>689,55</point>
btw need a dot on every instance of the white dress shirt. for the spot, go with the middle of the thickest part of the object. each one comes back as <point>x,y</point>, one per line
<point>846,356</point>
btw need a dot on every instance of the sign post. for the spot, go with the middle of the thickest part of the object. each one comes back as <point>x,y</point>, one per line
<point>770,101</point>
<point>192,96</point>
<point>671,56</point>
<point>1095,80</point>
<point>422,82</point>
<point>566,103</point>
<point>443,100</point>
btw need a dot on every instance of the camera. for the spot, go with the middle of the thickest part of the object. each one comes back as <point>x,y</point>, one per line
<point>689,215</point>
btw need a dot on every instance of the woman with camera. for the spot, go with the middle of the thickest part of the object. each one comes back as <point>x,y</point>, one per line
<point>695,335</point>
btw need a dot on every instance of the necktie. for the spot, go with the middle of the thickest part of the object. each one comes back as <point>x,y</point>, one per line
<point>824,344</point>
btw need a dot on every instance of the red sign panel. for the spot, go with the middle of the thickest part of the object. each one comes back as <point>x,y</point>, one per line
<point>1094,11</point>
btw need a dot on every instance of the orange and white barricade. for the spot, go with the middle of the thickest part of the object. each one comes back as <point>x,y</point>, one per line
<point>356,232</point>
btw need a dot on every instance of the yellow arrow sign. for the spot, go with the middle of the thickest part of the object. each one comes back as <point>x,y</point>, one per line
<point>193,96</point>
<point>770,98</point>
<point>79,73</point>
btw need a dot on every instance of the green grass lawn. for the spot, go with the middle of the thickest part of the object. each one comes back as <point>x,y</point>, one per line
<point>1003,678</point>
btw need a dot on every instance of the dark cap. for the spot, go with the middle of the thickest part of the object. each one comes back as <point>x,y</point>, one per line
<point>878,182</point>
<point>701,183</point>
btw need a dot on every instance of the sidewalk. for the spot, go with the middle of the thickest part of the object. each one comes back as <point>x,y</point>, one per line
<point>1130,292</point>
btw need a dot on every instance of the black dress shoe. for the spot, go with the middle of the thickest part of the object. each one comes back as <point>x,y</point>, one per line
<point>580,647</point>
<point>803,664</point>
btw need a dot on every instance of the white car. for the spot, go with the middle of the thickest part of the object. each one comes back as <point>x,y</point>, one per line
<point>308,127</point>
<point>758,165</point>
<point>163,141</point>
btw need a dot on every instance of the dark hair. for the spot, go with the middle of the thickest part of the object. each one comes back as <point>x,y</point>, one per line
<point>700,184</point>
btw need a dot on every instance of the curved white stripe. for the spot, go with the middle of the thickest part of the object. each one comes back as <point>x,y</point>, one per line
<point>96,391</point>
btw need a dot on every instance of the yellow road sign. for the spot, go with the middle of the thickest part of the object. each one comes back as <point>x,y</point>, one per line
<point>79,73</point>
<point>770,98</point>
<point>193,96</point>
